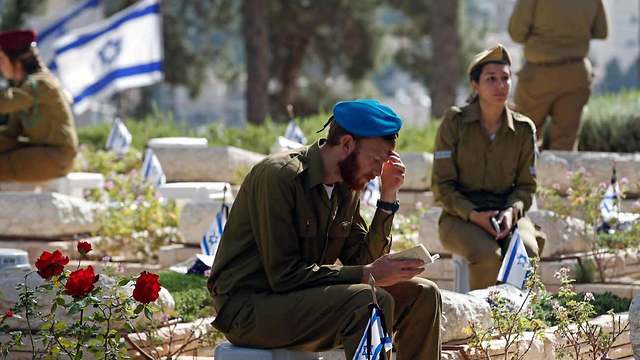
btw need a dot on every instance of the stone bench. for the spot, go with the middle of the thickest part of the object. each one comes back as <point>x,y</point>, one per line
<point>178,143</point>
<point>45,215</point>
<point>226,164</point>
<point>197,216</point>
<point>76,183</point>
<point>228,351</point>
<point>73,184</point>
<point>195,190</point>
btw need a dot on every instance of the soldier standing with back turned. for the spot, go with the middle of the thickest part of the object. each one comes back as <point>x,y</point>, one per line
<point>556,77</point>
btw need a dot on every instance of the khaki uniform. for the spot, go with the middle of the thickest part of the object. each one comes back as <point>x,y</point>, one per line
<point>274,280</point>
<point>472,172</point>
<point>556,78</point>
<point>38,112</point>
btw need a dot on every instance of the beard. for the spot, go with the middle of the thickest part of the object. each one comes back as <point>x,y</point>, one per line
<point>349,169</point>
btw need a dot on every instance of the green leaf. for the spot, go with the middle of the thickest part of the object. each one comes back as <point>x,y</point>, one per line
<point>148,313</point>
<point>138,309</point>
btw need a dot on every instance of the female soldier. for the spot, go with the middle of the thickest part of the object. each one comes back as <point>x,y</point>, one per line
<point>484,168</point>
<point>37,134</point>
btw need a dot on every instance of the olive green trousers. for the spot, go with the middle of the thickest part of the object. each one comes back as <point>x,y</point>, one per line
<point>35,163</point>
<point>558,91</point>
<point>323,318</point>
<point>483,252</point>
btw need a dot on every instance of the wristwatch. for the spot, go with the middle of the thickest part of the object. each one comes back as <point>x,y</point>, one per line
<point>389,206</point>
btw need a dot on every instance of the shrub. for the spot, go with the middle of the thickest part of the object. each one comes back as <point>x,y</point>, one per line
<point>105,162</point>
<point>190,294</point>
<point>135,220</point>
<point>612,123</point>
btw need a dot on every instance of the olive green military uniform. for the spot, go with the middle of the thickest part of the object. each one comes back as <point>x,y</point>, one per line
<point>473,172</point>
<point>275,282</point>
<point>37,133</point>
<point>556,78</point>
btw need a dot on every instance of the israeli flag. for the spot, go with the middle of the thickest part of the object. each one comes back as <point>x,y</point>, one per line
<point>211,239</point>
<point>609,208</point>
<point>293,132</point>
<point>121,52</point>
<point>515,266</point>
<point>371,193</point>
<point>375,340</point>
<point>119,138</point>
<point>82,14</point>
<point>152,170</point>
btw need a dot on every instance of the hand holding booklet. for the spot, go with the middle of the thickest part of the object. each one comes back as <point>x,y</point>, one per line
<point>418,252</point>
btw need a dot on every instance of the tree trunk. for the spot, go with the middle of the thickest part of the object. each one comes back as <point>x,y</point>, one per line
<point>296,43</point>
<point>446,49</point>
<point>256,40</point>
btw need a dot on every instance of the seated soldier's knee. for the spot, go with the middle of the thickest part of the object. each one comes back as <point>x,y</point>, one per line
<point>385,300</point>
<point>429,291</point>
<point>363,297</point>
<point>485,259</point>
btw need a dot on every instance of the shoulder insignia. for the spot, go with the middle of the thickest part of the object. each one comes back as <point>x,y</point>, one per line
<point>452,112</point>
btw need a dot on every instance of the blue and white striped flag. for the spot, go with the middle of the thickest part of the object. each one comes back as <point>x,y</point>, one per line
<point>121,52</point>
<point>609,208</point>
<point>375,340</point>
<point>152,170</point>
<point>211,239</point>
<point>294,133</point>
<point>82,14</point>
<point>119,138</point>
<point>515,267</point>
<point>371,193</point>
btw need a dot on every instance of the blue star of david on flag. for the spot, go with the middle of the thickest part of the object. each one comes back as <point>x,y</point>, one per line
<point>110,51</point>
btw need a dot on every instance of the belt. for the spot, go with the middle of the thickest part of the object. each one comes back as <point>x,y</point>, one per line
<point>565,61</point>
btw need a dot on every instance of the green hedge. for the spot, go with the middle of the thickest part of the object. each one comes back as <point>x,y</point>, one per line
<point>612,123</point>
<point>152,126</point>
<point>251,137</point>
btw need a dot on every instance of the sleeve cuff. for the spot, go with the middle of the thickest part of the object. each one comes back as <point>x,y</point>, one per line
<point>351,274</point>
<point>464,210</point>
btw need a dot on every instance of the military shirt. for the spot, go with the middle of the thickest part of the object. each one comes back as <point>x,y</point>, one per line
<point>555,30</point>
<point>471,171</point>
<point>284,233</point>
<point>38,110</point>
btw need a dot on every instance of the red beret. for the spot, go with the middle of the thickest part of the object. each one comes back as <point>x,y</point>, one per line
<point>16,41</point>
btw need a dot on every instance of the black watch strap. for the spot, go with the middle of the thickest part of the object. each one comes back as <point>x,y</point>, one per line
<point>389,206</point>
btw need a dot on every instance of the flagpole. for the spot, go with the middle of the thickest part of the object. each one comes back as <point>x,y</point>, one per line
<point>372,285</point>
<point>290,112</point>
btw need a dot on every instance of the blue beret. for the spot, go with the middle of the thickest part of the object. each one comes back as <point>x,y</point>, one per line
<point>366,118</point>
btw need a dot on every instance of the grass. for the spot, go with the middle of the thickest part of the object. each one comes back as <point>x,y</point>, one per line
<point>190,294</point>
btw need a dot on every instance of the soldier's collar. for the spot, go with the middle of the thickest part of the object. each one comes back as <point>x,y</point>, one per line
<point>509,114</point>
<point>314,167</point>
<point>472,113</point>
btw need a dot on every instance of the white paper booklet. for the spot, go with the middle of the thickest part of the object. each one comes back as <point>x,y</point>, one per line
<point>417,252</point>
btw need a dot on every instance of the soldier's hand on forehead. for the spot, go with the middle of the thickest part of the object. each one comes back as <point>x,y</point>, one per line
<point>392,178</point>
<point>394,162</point>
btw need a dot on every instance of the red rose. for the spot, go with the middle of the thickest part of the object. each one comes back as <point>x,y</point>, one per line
<point>50,264</point>
<point>147,288</point>
<point>8,314</point>
<point>84,247</point>
<point>80,282</point>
